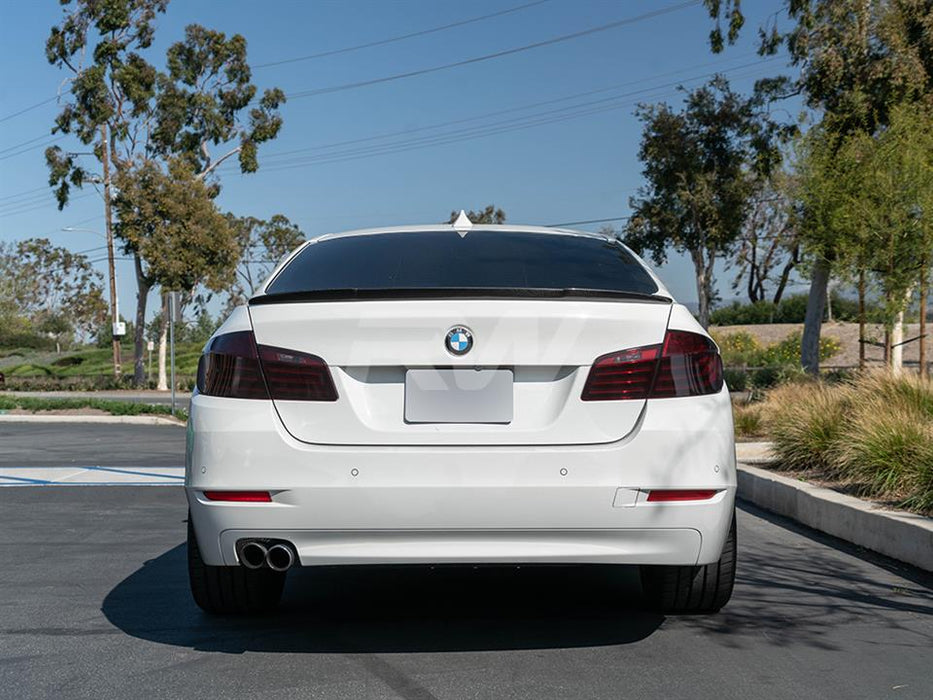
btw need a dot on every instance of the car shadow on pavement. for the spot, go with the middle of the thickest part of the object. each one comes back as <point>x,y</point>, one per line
<point>394,609</point>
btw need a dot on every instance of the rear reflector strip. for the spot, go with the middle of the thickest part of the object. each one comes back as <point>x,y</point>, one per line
<point>681,495</point>
<point>239,496</point>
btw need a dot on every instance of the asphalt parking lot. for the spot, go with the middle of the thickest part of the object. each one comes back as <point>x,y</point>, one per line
<point>95,604</point>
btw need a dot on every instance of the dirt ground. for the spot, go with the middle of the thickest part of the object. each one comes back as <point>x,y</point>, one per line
<point>845,333</point>
<point>86,411</point>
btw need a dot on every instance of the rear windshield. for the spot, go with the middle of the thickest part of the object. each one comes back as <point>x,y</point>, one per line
<point>482,260</point>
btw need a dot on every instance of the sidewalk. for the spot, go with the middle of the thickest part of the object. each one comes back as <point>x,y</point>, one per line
<point>907,537</point>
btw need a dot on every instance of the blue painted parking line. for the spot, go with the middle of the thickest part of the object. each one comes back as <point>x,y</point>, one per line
<point>23,480</point>
<point>96,475</point>
<point>120,470</point>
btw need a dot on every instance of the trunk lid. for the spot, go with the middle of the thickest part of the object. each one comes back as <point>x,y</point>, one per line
<point>548,345</point>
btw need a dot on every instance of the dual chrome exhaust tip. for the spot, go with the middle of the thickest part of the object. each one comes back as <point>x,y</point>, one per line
<point>278,556</point>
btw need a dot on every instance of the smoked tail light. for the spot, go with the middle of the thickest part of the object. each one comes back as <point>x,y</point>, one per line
<point>296,376</point>
<point>230,368</point>
<point>686,364</point>
<point>234,366</point>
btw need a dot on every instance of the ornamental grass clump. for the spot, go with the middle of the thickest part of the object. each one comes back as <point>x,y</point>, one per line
<point>748,420</point>
<point>887,451</point>
<point>806,421</point>
<point>872,434</point>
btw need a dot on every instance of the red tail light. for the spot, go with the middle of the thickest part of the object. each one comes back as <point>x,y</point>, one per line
<point>622,375</point>
<point>690,366</point>
<point>233,366</point>
<point>687,364</point>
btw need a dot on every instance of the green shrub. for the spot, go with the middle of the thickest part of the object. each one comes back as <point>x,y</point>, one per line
<point>739,314</point>
<point>736,379</point>
<point>738,348</point>
<point>791,309</point>
<point>787,352</point>
<point>741,348</point>
<point>117,408</point>
<point>68,361</point>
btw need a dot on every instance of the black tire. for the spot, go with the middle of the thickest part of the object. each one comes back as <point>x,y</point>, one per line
<point>231,590</point>
<point>692,589</point>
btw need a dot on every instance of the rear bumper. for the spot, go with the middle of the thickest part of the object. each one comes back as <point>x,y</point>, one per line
<point>427,504</point>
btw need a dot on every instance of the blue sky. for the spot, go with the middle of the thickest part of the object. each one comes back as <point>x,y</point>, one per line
<point>564,161</point>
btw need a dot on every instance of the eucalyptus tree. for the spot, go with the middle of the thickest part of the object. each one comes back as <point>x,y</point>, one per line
<point>261,245</point>
<point>768,250</point>
<point>890,199</point>
<point>856,62</point>
<point>488,215</point>
<point>202,108</point>
<point>49,287</point>
<point>701,167</point>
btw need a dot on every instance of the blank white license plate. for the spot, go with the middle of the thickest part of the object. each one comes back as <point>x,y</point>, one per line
<point>458,396</point>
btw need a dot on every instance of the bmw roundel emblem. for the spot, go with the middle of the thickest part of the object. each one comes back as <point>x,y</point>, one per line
<point>459,340</point>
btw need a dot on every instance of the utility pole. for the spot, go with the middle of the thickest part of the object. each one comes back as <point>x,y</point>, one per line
<point>114,318</point>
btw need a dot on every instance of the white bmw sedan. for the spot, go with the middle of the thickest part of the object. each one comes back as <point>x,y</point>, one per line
<point>458,394</point>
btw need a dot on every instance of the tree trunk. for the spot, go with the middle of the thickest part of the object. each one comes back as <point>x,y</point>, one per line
<point>785,275</point>
<point>861,319</point>
<point>139,336</point>
<point>924,272</point>
<point>897,337</point>
<point>813,321</point>
<point>704,276</point>
<point>897,347</point>
<point>163,344</point>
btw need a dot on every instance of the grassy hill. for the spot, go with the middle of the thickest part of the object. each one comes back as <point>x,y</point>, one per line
<point>84,368</point>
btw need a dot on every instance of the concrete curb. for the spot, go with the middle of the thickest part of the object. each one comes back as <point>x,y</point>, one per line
<point>902,536</point>
<point>133,420</point>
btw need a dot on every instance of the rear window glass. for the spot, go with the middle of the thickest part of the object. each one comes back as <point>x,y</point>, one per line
<point>439,260</point>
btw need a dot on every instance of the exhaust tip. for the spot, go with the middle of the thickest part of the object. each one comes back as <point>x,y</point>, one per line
<point>253,555</point>
<point>280,557</point>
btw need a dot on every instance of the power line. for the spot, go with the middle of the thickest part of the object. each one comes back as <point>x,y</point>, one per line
<point>490,56</point>
<point>28,209</point>
<point>37,138</point>
<point>529,121</point>
<point>32,148</point>
<point>434,69</point>
<point>19,194</point>
<point>26,201</point>
<point>402,37</point>
<point>28,109</point>
<point>590,221</point>
<point>524,107</point>
<point>333,52</point>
